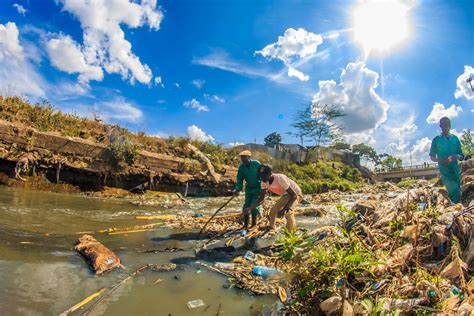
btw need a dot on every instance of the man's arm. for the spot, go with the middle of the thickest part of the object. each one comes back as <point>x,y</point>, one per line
<point>293,197</point>
<point>240,182</point>
<point>259,201</point>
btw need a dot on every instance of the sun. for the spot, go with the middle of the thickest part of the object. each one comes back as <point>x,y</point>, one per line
<point>381,24</point>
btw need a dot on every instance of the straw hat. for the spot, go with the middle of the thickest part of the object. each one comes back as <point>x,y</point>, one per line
<point>246,153</point>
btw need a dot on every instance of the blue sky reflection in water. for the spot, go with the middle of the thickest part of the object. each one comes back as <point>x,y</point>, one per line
<point>234,71</point>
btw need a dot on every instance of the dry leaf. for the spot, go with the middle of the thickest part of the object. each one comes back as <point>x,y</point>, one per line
<point>282,294</point>
<point>455,269</point>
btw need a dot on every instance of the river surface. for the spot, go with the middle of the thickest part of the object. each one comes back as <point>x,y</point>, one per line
<point>41,274</point>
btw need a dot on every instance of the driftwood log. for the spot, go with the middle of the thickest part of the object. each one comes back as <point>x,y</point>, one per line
<point>100,258</point>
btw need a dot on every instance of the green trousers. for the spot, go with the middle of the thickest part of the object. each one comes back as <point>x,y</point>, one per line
<point>251,196</point>
<point>452,181</point>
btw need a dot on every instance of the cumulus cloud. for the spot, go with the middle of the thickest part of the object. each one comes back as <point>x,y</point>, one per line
<point>194,104</point>
<point>355,95</point>
<point>66,55</point>
<point>463,87</point>
<point>195,133</point>
<point>198,83</point>
<point>214,98</point>
<point>292,46</point>
<point>9,40</point>
<point>358,138</point>
<point>235,144</point>
<point>104,44</point>
<point>417,154</point>
<point>20,8</point>
<point>18,75</point>
<point>440,111</point>
<point>403,129</point>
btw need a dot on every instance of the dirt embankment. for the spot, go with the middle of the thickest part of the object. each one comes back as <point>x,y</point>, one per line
<point>41,160</point>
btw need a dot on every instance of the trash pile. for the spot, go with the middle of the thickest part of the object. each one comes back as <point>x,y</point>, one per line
<point>251,272</point>
<point>413,253</point>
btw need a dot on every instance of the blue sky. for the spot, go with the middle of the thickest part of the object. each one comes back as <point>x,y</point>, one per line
<point>220,70</point>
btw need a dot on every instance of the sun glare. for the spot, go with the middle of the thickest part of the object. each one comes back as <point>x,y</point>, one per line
<point>380,25</point>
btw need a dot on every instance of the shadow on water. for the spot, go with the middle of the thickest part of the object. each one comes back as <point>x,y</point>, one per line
<point>185,236</point>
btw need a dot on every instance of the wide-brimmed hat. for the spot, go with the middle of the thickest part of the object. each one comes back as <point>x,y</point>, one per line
<point>246,153</point>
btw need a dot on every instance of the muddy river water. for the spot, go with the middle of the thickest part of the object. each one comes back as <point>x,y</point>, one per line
<point>41,274</point>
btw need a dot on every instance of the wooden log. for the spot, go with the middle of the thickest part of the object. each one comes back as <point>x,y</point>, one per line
<point>100,258</point>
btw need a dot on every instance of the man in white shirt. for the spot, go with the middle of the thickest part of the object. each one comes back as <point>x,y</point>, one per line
<point>289,192</point>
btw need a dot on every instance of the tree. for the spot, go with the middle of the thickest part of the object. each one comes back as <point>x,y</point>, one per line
<point>316,123</point>
<point>466,141</point>
<point>391,162</point>
<point>341,145</point>
<point>366,152</point>
<point>272,139</point>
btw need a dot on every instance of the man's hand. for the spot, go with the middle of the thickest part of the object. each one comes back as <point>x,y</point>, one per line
<point>235,193</point>
<point>452,158</point>
<point>246,210</point>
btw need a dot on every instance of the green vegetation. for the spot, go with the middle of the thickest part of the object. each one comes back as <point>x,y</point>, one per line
<point>466,141</point>
<point>407,183</point>
<point>272,139</point>
<point>321,176</point>
<point>324,268</point>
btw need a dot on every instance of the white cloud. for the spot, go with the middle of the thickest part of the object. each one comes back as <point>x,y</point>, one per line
<point>159,82</point>
<point>291,47</point>
<point>198,83</point>
<point>408,127</point>
<point>18,75</point>
<point>9,41</point>
<point>177,85</point>
<point>221,60</point>
<point>235,144</point>
<point>104,44</point>
<point>355,95</point>
<point>195,133</point>
<point>358,138</point>
<point>66,55</point>
<point>20,8</point>
<point>119,110</point>
<point>440,111</point>
<point>214,98</point>
<point>292,72</point>
<point>463,87</point>
<point>417,154</point>
<point>194,104</point>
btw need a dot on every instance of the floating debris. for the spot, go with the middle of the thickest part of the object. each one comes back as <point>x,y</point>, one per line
<point>100,258</point>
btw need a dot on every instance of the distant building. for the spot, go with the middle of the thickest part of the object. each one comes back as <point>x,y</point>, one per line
<point>301,154</point>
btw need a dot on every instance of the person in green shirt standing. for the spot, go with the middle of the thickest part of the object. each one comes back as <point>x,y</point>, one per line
<point>446,151</point>
<point>248,170</point>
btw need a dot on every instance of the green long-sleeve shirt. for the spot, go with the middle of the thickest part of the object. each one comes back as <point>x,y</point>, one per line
<point>251,176</point>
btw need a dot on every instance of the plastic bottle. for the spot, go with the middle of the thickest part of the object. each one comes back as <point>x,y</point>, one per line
<point>243,233</point>
<point>265,271</point>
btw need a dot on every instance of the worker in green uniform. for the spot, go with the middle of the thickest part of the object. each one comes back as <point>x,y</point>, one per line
<point>446,151</point>
<point>248,170</point>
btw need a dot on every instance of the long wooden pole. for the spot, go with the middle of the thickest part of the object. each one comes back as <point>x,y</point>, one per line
<point>210,219</point>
